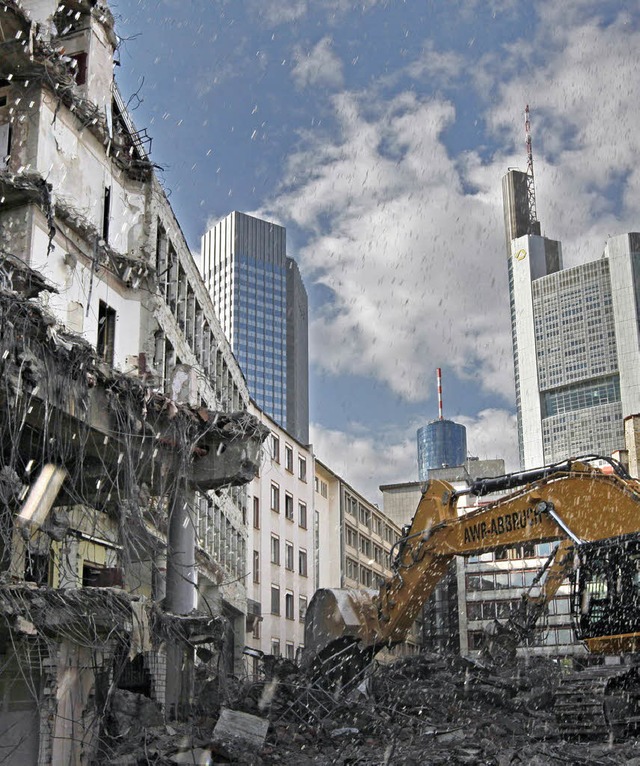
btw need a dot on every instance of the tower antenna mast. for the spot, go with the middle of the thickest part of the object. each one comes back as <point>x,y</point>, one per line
<point>439,379</point>
<point>531,189</point>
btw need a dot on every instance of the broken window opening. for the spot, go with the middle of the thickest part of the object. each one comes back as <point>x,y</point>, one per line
<point>5,142</point>
<point>80,68</point>
<point>135,677</point>
<point>106,213</point>
<point>37,568</point>
<point>106,333</point>
<point>98,576</point>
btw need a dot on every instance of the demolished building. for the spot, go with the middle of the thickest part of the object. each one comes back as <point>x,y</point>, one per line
<point>126,437</point>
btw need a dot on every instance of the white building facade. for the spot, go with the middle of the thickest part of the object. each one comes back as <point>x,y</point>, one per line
<point>281,548</point>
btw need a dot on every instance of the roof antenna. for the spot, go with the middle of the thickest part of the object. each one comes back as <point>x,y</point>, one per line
<point>439,379</point>
<point>531,189</point>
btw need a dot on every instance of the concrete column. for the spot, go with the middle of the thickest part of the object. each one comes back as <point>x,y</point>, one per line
<point>180,598</point>
<point>632,442</point>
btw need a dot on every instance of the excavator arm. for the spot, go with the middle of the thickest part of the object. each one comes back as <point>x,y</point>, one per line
<point>502,638</point>
<point>572,502</point>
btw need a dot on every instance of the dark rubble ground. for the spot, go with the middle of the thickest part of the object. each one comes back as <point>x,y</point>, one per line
<point>427,709</point>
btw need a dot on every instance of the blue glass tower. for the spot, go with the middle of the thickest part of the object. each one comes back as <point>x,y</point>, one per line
<point>262,306</point>
<point>440,443</point>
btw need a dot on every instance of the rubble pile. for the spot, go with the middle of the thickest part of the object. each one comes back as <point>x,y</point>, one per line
<point>427,709</point>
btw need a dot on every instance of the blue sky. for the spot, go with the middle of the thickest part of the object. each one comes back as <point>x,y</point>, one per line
<point>377,132</point>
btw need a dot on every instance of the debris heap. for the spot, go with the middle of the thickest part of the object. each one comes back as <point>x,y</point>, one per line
<point>427,709</point>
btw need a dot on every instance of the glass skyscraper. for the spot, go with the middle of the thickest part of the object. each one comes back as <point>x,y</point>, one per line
<point>441,444</point>
<point>262,306</point>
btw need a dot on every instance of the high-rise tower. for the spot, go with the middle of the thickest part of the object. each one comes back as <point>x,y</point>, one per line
<point>576,343</point>
<point>441,443</point>
<point>262,306</point>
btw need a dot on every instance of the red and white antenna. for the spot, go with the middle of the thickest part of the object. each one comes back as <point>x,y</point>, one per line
<point>439,379</point>
<point>531,189</point>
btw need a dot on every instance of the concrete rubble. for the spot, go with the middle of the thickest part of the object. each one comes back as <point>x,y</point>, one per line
<point>428,708</point>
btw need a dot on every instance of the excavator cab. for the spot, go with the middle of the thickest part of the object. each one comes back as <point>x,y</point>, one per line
<point>606,594</point>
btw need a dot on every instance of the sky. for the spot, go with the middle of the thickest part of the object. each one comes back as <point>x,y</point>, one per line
<point>377,132</point>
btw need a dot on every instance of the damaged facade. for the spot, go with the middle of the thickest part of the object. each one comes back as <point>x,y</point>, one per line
<point>124,413</point>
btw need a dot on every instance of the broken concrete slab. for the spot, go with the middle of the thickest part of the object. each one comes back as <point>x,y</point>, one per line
<point>234,727</point>
<point>197,756</point>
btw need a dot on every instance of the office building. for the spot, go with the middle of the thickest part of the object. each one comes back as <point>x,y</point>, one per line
<point>575,340</point>
<point>262,306</point>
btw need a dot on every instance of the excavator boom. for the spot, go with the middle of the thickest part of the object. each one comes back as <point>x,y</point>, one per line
<point>572,502</point>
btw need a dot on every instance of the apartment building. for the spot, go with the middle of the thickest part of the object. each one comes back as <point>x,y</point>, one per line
<point>282,544</point>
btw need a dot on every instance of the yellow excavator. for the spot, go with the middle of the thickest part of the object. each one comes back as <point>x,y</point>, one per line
<point>594,515</point>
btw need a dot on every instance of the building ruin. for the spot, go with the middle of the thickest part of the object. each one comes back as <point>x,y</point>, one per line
<point>123,415</point>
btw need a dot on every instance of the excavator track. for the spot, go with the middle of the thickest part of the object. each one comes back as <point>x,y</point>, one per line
<point>598,702</point>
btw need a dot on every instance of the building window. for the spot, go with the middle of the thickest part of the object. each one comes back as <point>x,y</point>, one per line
<point>106,333</point>
<point>302,514</point>
<point>256,628</point>
<point>351,504</point>
<point>288,555</point>
<point>351,536</point>
<point>275,497</point>
<point>365,577</point>
<point>288,458</point>
<point>302,562</point>
<point>288,506</point>
<point>302,608</point>
<point>288,605</point>
<point>290,650</point>
<point>275,646</point>
<point>351,569</point>
<point>364,515</point>
<point>275,448</point>
<point>275,599</point>
<point>275,549</point>
<point>256,566</point>
<point>365,546</point>
<point>256,513</point>
<point>302,468</point>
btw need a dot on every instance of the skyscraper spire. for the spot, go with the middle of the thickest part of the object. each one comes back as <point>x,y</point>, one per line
<point>531,189</point>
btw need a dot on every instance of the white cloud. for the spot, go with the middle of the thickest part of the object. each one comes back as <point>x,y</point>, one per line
<point>365,461</point>
<point>415,262</point>
<point>319,67</point>
<point>277,12</point>
<point>491,434</point>
<point>442,66</point>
